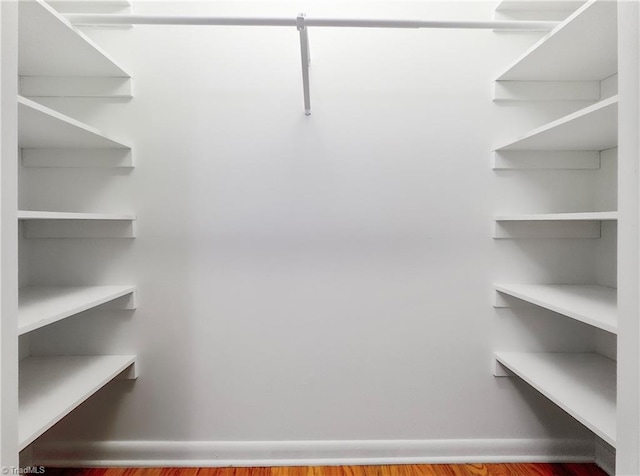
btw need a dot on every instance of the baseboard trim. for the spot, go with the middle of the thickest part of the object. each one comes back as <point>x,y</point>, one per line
<point>309,453</point>
<point>605,457</point>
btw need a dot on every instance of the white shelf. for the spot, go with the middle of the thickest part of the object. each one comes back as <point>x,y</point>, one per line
<point>583,216</point>
<point>41,127</point>
<point>39,215</point>
<point>51,387</point>
<point>582,48</point>
<point>539,5</point>
<point>592,128</point>
<point>41,306</point>
<point>50,46</point>
<point>591,304</point>
<point>89,6</point>
<point>582,384</point>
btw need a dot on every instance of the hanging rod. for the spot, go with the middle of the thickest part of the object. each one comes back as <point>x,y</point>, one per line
<point>301,22</point>
<point>81,19</point>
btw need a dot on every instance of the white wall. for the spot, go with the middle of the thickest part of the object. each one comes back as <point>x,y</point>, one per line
<point>8,236</point>
<point>628,460</point>
<point>314,278</point>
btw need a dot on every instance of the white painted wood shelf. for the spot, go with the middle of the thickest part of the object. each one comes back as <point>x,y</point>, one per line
<point>580,216</point>
<point>41,127</point>
<point>50,46</point>
<point>89,6</point>
<point>592,304</point>
<point>538,5</point>
<point>39,306</point>
<point>582,384</point>
<point>584,47</point>
<point>44,215</point>
<point>51,387</point>
<point>592,128</point>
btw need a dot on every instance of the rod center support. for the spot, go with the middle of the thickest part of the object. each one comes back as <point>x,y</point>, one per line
<point>306,58</point>
<point>300,21</point>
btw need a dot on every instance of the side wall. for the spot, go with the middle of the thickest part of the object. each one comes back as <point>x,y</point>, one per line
<point>8,235</point>
<point>628,457</point>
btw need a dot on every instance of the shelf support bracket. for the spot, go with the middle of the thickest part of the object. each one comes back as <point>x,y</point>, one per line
<point>130,373</point>
<point>306,60</point>
<point>500,370</point>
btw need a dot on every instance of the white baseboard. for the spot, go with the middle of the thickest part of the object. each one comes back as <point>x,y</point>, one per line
<point>605,457</point>
<point>304,453</point>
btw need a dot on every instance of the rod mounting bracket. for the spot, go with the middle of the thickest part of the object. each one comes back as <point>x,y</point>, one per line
<point>300,21</point>
<point>306,59</point>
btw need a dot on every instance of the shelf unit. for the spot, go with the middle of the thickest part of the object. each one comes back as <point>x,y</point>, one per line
<point>580,216</point>
<point>51,387</point>
<point>88,6</point>
<point>54,60</point>
<point>50,46</point>
<point>39,306</point>
<point>119,7</point>
<point>41,127</point>
<point>536,9</point>
<point>592,128</point>
<point>582,384</point>
<point>537,5</point>
<point>593,27</point>
<point>579,54</point>
<point>43,215</point>
<point>589,303</point>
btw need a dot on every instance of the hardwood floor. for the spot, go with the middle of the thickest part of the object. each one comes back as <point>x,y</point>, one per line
<point>512,469</point>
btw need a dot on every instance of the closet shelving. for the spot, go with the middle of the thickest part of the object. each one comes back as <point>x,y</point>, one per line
<point>55,224</point>
<point>93,6</point>
<point>583,48</point>
<point>50,387</point>
<point>589,303</point>
<point>582,384</point>
<point>44,215</point>
<point>39,306</point>
<point>536,9</point>
<point>579,216</point>
<point>50,46</point>
<point>84,6</point>
<point>592,28</point>
<point>538,5</point>
<point>42,127</point>
<point>592,128</point>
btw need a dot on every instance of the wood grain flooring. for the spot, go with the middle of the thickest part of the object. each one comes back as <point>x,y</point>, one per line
<point>511,469</point>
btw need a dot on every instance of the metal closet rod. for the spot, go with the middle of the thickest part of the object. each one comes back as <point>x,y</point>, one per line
<point>117,19</point>
<point>301,22</point>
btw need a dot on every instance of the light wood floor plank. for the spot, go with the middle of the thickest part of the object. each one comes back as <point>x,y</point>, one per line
<point>510,469</point>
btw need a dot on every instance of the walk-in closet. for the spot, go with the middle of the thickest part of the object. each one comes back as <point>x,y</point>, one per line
<point>294,233</point>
